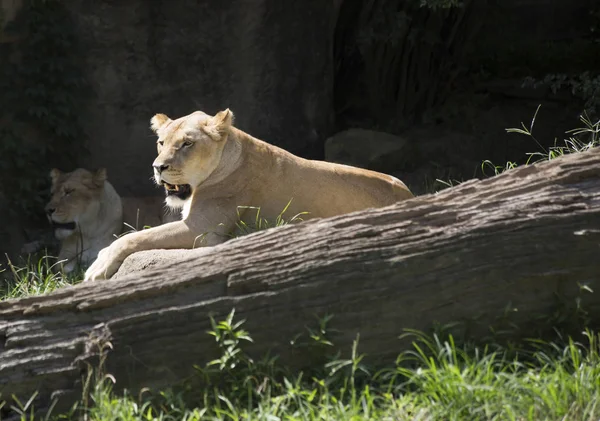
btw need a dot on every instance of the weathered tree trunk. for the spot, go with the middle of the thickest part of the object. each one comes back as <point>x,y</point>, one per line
<point>525,238</point>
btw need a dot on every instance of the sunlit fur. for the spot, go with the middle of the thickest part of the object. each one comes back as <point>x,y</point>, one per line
<point>228,168</point>
<point>191,148</point>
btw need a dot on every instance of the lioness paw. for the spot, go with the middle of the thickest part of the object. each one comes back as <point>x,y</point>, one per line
<point>105,266</point>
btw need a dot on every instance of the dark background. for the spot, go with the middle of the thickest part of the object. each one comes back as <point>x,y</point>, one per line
<point>80,80</point>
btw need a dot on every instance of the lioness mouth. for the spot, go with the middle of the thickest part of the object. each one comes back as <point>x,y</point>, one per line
<point>182,191</point>
<point>64,225</point>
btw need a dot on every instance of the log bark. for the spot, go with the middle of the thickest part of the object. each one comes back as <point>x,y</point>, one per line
<point>529,238</point>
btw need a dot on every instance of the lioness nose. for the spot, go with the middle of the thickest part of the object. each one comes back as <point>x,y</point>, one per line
<point>50,211</point>
<point>160,168</point>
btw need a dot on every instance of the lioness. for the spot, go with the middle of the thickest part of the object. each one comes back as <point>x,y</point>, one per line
<point>87,214</point>
<point>208,168</point>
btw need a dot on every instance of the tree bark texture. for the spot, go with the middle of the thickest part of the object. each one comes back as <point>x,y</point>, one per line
<point>529,238</point>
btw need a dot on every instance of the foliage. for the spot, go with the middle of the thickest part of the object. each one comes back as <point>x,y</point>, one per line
<point>35,276</point>
<point>260,223</point>
<point>42,88</point>
<point>436,379</point>
<point>38,273</point>
<point>585,86</point>
<point>228,337</point>
<point>580,140</point>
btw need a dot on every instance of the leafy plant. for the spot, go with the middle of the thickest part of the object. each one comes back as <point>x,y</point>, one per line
<point>228,336</point>
<point>437,378</point>
<point>585,86</point>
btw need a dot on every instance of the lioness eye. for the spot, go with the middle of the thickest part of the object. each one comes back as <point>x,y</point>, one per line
<point>68,191</point>
<point>161,142</point>
<point>188,143</point>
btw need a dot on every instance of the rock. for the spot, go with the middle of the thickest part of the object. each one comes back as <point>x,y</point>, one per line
<point>8,11</point>
<point>269,61</point>
<point>159,258</point>
<point>368,149</point>
<point>438,153</point>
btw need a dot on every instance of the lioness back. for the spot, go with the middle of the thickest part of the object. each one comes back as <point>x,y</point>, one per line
<point>216,174</point>
<point>352,189</point>
<point>321,188</point>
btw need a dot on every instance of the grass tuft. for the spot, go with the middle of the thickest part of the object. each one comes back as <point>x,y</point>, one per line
<point>35,275</point>
<point>437,379</point>
<point>579,140</point>
<point>259,223</point>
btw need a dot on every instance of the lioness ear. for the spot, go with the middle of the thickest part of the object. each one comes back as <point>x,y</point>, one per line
<point>54,174</point>
<point>218,126</point>
<point>158,121</point>
<point>99,177</point>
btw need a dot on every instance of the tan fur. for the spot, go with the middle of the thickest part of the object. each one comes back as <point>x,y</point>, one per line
<point>227,168</point>
<point>90,201</point>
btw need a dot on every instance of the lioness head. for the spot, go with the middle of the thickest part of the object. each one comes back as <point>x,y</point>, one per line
<point>75,198</point>
<point>189,150</point>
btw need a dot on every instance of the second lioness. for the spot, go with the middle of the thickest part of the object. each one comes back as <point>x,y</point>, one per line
<point>208,168</point>
<point>87,214</point>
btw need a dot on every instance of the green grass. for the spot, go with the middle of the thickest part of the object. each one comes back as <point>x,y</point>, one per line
<point>38,274</point>
<point>438,379</point>
<point>259,223</point>
<point>34,275</point>
<point>579,140</point>
<point>435,380</point>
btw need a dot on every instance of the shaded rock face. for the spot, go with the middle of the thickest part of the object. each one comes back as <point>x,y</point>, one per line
<point>269,61</point>
<point>8,10</point>
<point>368,149</point>
<point>413,156</point>
<point>12,237</point>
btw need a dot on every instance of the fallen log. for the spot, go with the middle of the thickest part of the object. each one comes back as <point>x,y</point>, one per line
<point>529,238</point>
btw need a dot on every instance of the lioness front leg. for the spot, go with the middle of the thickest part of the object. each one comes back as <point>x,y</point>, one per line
<point>178,234</point>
